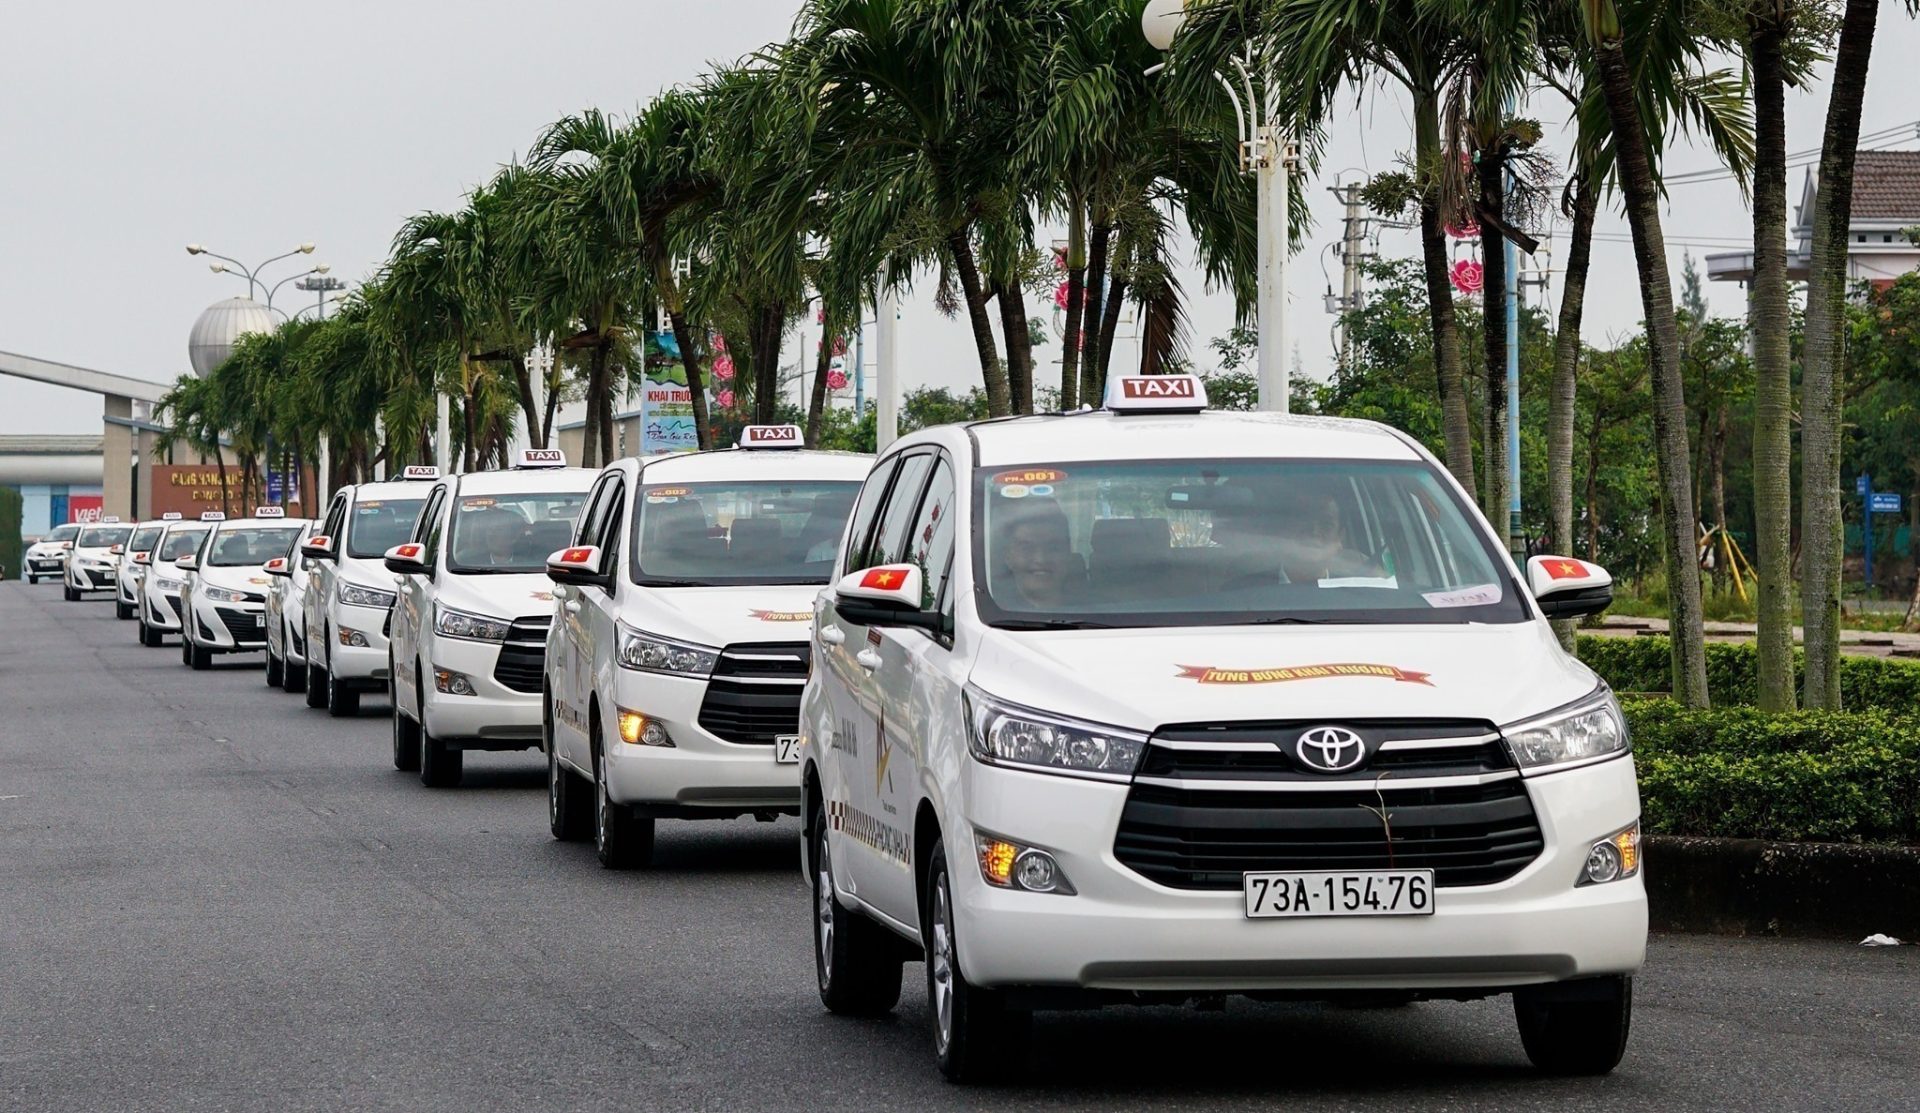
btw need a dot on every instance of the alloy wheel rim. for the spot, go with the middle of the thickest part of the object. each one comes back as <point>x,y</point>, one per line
<point>941,968</point>
<point>823,908</point>
<point>601,803</point>
<point>553,789</point>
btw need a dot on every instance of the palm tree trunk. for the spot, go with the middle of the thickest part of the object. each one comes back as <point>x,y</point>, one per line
<point>817,402</point>
<point>596,403</point>
<point>1109,325</point>
<point>1768,322</point>
<point>553,403</point>
<point>1492,173</point>
<point>1593,489</point>
<point>536,436</point>
<point>1820,403</point>
<point>469,432</point>
<point>763,341</point>
<point>992,373</point>
<point>1566,368</point>
<point>1678,525</point>
<point>1446,329</point>
<point>696,378</point>
<point>1717,495</point>
<point>1019,340</point>
<point>1076,302</point>
<point>1098,253</point>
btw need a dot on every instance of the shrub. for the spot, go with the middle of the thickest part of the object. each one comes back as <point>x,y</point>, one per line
<point>1642,665</point>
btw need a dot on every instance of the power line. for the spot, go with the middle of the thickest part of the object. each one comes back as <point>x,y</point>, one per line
<point>1882,139</point>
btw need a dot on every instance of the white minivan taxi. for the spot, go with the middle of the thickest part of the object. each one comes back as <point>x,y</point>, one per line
<point>46,559</point>
<point>469,641</point>
<point>349,590</point>
<point>223,607</point>
<point>160,587</point>
<point>93,562</point>
<point>680,644</point>
<point>286,617</point>
<point>1151,704</point>
<point>129,569</point>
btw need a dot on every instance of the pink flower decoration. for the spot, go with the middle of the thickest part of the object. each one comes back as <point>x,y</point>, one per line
<point>839,345</point>
<point>723,369</point>
<point>836,380</point>
<point>1468,231</point>
<point>1060,296</point>
<point>719,342</point>
<point>725,398</point>
<point>1468,277</point>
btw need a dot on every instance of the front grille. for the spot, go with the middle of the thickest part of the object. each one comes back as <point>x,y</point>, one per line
<point>754,694</point>
<point>1190,824</point>
<point>243,625</point>
<point>98,581</point>
<point>523,659</point>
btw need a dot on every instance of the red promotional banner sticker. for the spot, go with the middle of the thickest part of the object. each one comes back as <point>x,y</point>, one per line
<point>1208,674</point>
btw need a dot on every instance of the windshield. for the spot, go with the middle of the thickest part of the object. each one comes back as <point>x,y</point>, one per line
<point>64,533</point>
<point>179,543</point>
<point>380,524</point>
<point>248,545</point>
<point>720,534</point>
<point>143,539</point>
<point>1231,542</point>
<point>511,532</point>
<point>101,537</point>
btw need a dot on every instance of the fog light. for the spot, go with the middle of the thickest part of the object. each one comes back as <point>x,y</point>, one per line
<point>1603,863</point>
<point>1010,865</point>
<point>453,683</point>
<point>1036,872</point>
<point>353,638</point>
<point>1615,857</point>
<point>639,730</point>
<point>996,861</point>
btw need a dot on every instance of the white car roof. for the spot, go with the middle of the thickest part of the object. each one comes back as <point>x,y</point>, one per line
<point>757,463</point>
<point>392,489</point>
<point>233,523</point>
<point>1100,435</point>
<point>526,479</point>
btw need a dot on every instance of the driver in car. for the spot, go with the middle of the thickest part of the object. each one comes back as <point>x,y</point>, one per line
<point>1294,535</point>
<point>1035,546</point>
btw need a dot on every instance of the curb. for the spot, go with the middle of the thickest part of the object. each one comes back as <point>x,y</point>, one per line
<point>1753,887</point>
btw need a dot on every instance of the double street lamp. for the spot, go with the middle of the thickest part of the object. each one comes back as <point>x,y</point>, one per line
<point>1267,153</point>
<point>230,265</point>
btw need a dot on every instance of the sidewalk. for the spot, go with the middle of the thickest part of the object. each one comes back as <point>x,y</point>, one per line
<point>1862,643</point>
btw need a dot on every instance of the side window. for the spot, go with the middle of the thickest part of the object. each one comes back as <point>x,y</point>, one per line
<point>593,519</point>
<point>336,516</point>
<point>610,526</point>
<point>432,524</point>
<point>861,524</point>
<point>929,545</point>
<point>889,544</point>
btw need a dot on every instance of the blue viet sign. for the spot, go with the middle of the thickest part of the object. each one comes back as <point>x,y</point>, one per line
<point>1884,502</point>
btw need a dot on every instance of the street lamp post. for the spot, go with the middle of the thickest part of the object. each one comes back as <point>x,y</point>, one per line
<point>241,269</point>
<point>1267,153</point>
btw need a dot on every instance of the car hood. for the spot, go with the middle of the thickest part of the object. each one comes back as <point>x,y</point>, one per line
<point>723,616</point>
<point>95,554</point>
<point>250,578</point>
<point>1144,679</point>
<point>44,549</point>
<point>366,573</point>
<point>509,597</point>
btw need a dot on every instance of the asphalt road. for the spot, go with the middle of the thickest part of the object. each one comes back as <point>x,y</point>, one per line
<point>212,898</point>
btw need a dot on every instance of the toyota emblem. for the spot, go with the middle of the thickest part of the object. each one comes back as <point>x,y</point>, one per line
<point>1329,749</point>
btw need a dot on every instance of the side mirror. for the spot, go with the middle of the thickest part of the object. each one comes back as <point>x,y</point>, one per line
<point>317,547</point>
<point>580,566</point>
<point>117,550</point>
<point>409,559</point>
<point>1569,588</point>
<point>886,595</point>
<point>187,563</point>
<point>143,558</point>
<point>278,566</point>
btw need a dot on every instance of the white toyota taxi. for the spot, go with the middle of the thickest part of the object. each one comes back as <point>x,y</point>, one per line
<point>469,642</point>
<point>223,607</point>
<point>679,648</point>
<point>128,570</point>
<point>92,563</point>
<point>286,618</point>
<point>46,559</point>
<point>349,590</point>
<point>160,587</point>
<point>1151,704</point>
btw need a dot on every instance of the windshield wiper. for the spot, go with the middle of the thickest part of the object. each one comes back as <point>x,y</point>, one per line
<point>1052,624</point>
<point>1290,620</point>
<point>652,582</point>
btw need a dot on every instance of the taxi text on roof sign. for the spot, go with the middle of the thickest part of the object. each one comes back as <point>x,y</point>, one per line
<point>213,516</point>
<point>772,436</point>
<point>269,511</point>
<point>542,458</point>
<point>110,520</point>
<point>170,516</point>
<point>1163,393</point>
<point>420,471</point>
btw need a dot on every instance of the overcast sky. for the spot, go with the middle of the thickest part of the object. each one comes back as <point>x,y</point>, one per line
<point>130,130</point>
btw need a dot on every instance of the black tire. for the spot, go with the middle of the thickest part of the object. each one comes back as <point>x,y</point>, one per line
<point>856,964</point>
<point>120,610</point>
<point>440,764</point>
<point>342,702</point>
<point>33,579</point>
<point>316,685</point>
<point>293,679</point>
<point>146,638</point>
<point>186,648</point>
<point>621,835</point>
<point>977,1036</point>
<point>569,809</point>
<point>276,670</point>
<point>67,591</point>
<point>406,741</point>
<point>200,659</point>
<point>1584,1035</point>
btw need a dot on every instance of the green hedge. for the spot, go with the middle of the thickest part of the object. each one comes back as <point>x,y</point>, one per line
<point>1736,772</point>
<point>1733,671</point>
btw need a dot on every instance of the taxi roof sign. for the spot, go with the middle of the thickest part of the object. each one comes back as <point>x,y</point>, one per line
<point>1156,394</point>
<point>213,516</point>
<point>170,516</point>
<point>772,436</point>
<point>269,511</point>
<point>110,519</point>
<point>420,471</point>
<point>542,458</point>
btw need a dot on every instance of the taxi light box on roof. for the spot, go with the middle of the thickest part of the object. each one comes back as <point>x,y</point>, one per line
<point>269,511</point>
<point>542,458</point>
<point>213,516</point>
<point>420,471</point>
<point>771,436</point>
<point>1177,393</point>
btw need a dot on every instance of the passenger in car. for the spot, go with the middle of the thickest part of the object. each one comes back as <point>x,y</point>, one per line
<point>1294,535</point>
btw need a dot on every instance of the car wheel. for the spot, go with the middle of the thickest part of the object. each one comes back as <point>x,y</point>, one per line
<point>200,659</point>
<point>316,684</point>
<point>858,968</point>
<point>121,611</point>
<point>186,647</point>
<point>439,763</point>
<point>342,702</point>
<point>569,812</point>
<point>622,836</point>
<point>71,595</point>
<point>406,742</point>
<point>976,1034</point>
<point>293,677</point>
<point>1573,1035</point>
<point>33,579</point>
<point>276,670</point>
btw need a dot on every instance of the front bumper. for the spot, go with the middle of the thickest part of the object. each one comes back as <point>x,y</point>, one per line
<point>497,717</point>
<point>362,666</point>
<point>82,578</point>
<point>229,627</point>
<point>699,770</point>
<point>129,590</point>
<point>46,566</point>
<point>163,610</point>
<point>1123,932</point>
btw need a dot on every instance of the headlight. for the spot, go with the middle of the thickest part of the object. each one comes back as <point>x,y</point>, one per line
<point>221,594</point>
<point>1007,734</point>
<point>1579,733</point>
<point>165,584</point>
<point>651,653</point>
<point>356,596</point>
<point>459,624</point>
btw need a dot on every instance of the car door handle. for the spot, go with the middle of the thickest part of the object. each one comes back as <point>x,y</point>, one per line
<point>869,660</point>
<point>573,606</point>
<point>833,635</point>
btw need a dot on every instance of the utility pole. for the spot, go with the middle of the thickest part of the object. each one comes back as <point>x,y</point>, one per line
<point>1352,252</point>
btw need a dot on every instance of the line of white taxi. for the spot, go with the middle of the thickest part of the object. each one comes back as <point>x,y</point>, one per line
<point>1138,704</point>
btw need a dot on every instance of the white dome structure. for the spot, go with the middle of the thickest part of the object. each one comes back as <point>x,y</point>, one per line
<point>222,323</point>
